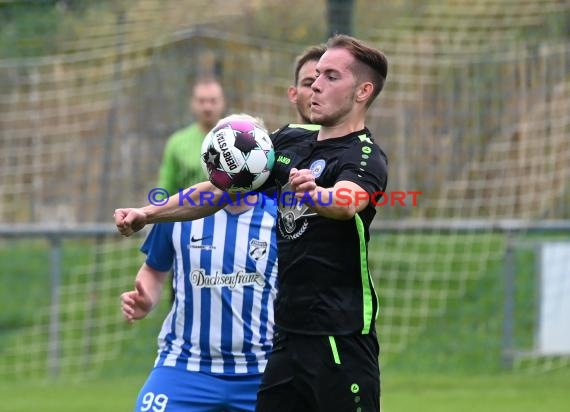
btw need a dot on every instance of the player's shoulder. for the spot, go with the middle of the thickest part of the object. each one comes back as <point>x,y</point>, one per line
<point>161,230</point>
<point>378,151</point>
<point>295,130</point>
<point>268,203</point>
<point>365,138</point>
<point>165,226</point>
<point>364,145</point>
<point>181,135</point>
<point>304,126</point>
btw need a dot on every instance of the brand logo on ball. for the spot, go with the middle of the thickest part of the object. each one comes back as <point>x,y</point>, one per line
<point>226,153</point>
<point>257,249</point>
<point>317,167</point>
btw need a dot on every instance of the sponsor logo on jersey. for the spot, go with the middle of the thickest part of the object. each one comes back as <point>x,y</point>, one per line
<point>283,159</point>
<point>200,279</point>
<point>194,243</point>
<point>203,247</point>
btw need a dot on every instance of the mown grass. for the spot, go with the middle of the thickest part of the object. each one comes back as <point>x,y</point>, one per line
<point>400,393</point>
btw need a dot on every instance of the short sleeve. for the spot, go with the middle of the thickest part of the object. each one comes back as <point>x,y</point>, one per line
<point>158,247</point>
<point>366,165</point>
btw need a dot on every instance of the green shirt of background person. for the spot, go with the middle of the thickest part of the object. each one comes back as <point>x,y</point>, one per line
<point>181,166</point>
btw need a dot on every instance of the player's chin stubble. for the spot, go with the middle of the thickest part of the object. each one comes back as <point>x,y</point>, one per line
<point>326,121</point>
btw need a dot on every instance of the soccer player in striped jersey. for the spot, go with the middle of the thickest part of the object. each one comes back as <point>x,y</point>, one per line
<point>214,343</point>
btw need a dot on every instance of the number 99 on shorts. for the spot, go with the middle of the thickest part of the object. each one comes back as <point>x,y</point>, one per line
<point>154,403</point>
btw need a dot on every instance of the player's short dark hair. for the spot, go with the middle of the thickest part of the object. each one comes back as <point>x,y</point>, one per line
<point>312,53</point>
<point>371,64</point>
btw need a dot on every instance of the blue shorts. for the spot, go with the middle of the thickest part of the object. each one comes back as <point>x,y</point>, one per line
<point>170,389</point>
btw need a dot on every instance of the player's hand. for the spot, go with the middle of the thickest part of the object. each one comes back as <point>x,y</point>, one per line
<point>135,304</point>
<point>302,181</point>
<point>129,220</point>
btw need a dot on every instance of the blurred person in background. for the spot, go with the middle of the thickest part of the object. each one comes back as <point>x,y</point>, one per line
<point>181,166</point>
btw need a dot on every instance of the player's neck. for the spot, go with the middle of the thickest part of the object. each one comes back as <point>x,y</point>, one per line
<point>341,129</point>
<point>242,205</point>
<point>205,128</point>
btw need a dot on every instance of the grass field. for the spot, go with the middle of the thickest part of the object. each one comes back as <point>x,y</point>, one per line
<point>453,364</point>
<point>508,393</point>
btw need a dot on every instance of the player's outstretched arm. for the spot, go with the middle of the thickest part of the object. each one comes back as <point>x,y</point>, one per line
<point>200,200</point>
<point>340,202</point>
<point>138,303</point>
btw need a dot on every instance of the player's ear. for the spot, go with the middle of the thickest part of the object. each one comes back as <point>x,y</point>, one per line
<point>364,91</point>
<point>292,94</point>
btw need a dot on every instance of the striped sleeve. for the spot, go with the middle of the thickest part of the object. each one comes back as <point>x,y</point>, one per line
<point>158,247</point>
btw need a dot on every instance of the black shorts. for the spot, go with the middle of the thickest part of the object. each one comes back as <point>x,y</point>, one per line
<point>321,374</point>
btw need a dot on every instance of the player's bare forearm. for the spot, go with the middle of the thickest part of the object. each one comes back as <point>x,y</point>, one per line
<point>191,204</point>
<point>152,281</point>
<point>198,201</point>
<point>326,203</point>
<point>139,302</point>
<point>339,202</point>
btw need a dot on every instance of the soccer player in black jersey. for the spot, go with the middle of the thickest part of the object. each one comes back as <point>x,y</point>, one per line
<point>325,355</point>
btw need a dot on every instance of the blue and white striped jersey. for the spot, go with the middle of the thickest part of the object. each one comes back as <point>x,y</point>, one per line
<point>225,278</point>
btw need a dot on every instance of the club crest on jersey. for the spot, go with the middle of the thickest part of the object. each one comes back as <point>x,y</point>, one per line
<point>257,249</point>
<point>317,167</point>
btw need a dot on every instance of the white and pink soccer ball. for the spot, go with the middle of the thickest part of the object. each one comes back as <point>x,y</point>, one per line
<point>237,154</point>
